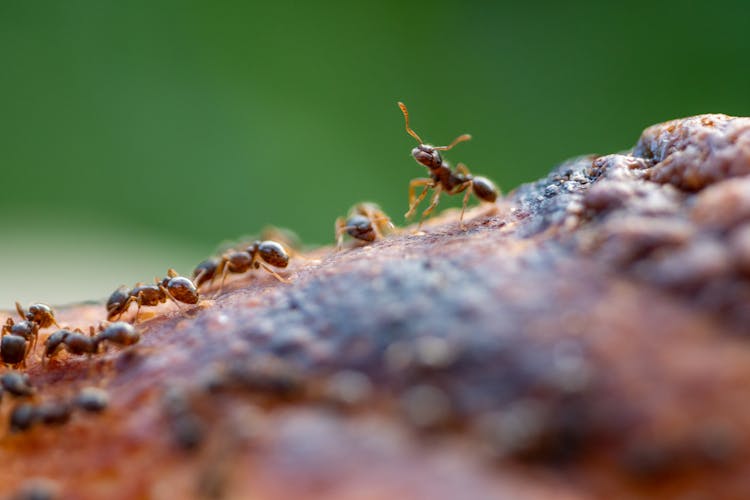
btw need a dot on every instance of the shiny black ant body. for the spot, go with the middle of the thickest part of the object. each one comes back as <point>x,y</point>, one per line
<point>442,177</point>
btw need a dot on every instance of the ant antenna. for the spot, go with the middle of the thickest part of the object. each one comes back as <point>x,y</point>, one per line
<point>406,119</point>
<point>460,138</point>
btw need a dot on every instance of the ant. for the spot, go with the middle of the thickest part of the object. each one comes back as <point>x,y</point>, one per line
<point>15,345</point>
<point>19,339</point>
<point>442,177</point>
<point>365,222</point>
<point>174,287</point>
<point>41,314</point>
<point>75,342</point>
<point>261,254</point>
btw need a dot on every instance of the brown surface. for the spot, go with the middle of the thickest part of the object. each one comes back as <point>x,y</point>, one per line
<point>585,339</point>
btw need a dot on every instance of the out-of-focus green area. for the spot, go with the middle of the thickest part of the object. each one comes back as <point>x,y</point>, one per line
<point>147,132</point>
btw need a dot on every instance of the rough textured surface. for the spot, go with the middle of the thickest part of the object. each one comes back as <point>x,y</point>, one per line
<point>586,338</point>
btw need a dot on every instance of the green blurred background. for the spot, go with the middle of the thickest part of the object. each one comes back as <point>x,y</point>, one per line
<point>137,135</point>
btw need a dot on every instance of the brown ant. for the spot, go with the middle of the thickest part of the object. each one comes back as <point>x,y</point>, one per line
<point>442,177</point>
<point>261,254</point>
<point>174,287</point>
<point>41,314</point>
<point>365,222</point>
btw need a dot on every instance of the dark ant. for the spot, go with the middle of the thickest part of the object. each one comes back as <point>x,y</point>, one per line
<point>75,342</point>
<point>92,399</point>
<point>16,384</point>
<point>442,177</point>
<point>261,254</point>
<point>25,415</point>
<point>174,287</point>
<point>18,339</point>
<point>365,222</point>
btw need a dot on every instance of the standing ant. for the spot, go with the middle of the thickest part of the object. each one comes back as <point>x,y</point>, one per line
<point>174,287</point>
<point>261,254</point>
<point>18,339</point>
<point>442,177</point>
<point>41,314</point>
<point>365,222</point>
<point>75,342</point>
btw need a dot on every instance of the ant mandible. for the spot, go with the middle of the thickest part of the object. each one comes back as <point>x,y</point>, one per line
<point>442,177</point>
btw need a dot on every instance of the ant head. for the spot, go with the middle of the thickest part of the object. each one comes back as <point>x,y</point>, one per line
<point>427,155</point>
<point>424,153</point>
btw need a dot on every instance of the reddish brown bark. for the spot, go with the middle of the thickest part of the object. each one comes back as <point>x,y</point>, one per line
<point>585,339</point>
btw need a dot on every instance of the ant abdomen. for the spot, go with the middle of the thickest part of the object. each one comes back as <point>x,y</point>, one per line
<point>484,189</point>
<point>238,262</point>
<point>360,227</point>
<point>120,333</point>
<point>182,289</point>
<point>270,252</point>
<point>118,302</point>
<point>13,349</point>
<point>205,271</point>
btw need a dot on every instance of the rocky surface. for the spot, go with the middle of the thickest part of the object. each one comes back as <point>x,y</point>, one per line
<point>585,338</point>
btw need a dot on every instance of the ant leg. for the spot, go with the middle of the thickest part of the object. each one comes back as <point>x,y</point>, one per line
<point>20,310</point>
<point>274,273</point>
<point>467,188</point>
<point>224,273</point>
<point>433,204</point>
<point>137,311</point>
<point>169,296</point>
<point>125,308</point>
<point>340,229</point>
<point>427,183</point>
<point>382,223</point>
